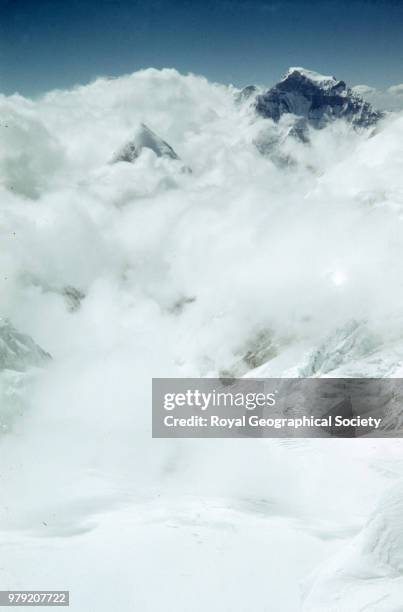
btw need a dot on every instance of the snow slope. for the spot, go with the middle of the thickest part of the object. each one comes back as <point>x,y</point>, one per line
<point>366,574</point>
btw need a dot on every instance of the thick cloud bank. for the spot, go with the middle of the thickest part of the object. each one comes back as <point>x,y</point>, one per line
<point>218,258</point>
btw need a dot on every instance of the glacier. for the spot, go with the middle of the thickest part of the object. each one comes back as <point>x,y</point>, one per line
<point>278,255</point>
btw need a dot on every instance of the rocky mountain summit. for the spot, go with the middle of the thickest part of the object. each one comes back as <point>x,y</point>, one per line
<point>317,99</point>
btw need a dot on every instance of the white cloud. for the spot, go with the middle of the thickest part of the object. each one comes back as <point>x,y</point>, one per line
<point>364,90</point>
<point>390,99</point>
<point>254,245</point>
<point>396,90</point>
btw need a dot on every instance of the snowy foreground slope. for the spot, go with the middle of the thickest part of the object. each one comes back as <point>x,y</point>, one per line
<point>218,241</point>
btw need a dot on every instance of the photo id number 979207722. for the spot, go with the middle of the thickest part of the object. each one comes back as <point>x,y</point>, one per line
<point>34,598</point>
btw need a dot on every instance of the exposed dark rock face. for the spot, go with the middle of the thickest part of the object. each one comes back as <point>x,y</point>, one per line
<point>256,351</point>
<point>73,297</point>
<point>316,98</point>
<point>246,93</point>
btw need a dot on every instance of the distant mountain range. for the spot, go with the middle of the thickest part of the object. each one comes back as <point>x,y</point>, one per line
<point>307,98</point>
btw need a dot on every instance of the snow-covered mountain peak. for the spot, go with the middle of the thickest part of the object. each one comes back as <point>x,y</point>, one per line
<point>315,98</point>
<point>144,138</point>
<point>320,80</point>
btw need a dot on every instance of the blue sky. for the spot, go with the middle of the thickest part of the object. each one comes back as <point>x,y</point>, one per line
<point>46,44</point>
